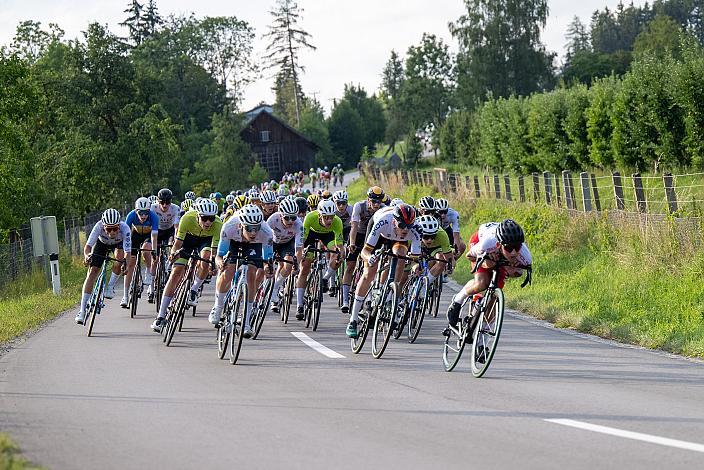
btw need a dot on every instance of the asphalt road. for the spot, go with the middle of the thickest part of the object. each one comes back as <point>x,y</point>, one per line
<point>551,399</point>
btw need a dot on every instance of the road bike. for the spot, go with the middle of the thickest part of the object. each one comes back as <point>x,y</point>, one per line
<point>137,285</point>
<point>480,323</point>
<point>313,297</point>
<point>162,272</point>
<point>288,291</point>
<point>97,297</point>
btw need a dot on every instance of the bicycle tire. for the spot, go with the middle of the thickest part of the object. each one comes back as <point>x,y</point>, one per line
<point>308,297</point>
<point>417,312</point>
<point>404,317</point>
<point>262,305</point>
<point>134,290</point>
<point>176,316</point>
<point>437,293</point>
<point>287,298</point>
<point>317,302</point>
<point>487,337</point>
<point>385,320</point>
<point>365,319</point>
<point>240,312</point>
<point>223,334</point>
<point>158,282</point>
<point>95,306</point>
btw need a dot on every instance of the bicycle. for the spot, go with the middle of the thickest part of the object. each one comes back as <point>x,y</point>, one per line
<point>96,302</point>
<point>313,297</point>
<point>137,285</point>
<point>481,324</point>
<point>417,299</point>
<point>262,301</point>
<point>161,275</point>
<point>289,291</point>
<point>177,309</point>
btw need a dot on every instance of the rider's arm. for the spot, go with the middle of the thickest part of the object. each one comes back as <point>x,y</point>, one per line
<point>126,237</point>
<point>338,230</point>
<point>155,228</point>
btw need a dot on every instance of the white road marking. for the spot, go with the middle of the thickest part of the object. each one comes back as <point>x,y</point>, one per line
<point>663,441</point>
<point>310,342</point>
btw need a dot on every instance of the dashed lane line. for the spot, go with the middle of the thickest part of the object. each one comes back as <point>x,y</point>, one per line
<point>313,344</point>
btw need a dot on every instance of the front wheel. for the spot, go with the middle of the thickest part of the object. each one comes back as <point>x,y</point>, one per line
<point>486,333</point>
<point>95,305</point>
<point>135,291</point>
<point>239,316</point>
<point>385,320</point>
<point>416,310</point>
<point>226,327</point>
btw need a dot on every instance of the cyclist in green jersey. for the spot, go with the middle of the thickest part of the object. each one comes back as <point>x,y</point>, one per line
<point>434,244</point>
<point>321,225</point>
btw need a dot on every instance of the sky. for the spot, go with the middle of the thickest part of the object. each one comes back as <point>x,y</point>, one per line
<point>353,38</point>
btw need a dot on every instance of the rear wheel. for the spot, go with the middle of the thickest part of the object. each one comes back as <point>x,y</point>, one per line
<point>288,298</point>
<point>317,301</point>
<point>159,282</point>
<point>175,317</point>
<point>239,313</point>
<point>385,320</point>
<point>416,309</point>
<point>309,296</point>
<point>261,304</point>
<point>486,334</point>
<point>437,292</point>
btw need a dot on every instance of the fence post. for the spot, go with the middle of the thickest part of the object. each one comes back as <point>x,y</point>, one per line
<point>477,189</point>
<point>558,196</point>
<point>586,191</point>
<point>497,187</point>
<point>536,187</point>
<point>507,185</point>
<point>521,189</point>
<point>618,190</point>
<point>487,185</point>
<point>547,180</point>
<point>670,192</point>
<point>567,183</point>
<point>452,179</point>
<point>14,240</point>
<point>640,194</point>
<point>597,203</point>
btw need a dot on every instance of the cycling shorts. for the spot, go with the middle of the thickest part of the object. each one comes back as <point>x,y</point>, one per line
<point>100,251</point>
<point>285,249</point>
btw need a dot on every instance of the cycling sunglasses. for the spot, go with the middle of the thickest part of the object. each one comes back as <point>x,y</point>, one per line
<point>443,212</point>
<point>112,228</point>
<point>207,218</point>
<point>290,218</point>
<point>341,203</point>
<point>428,237</point>
<point>511,248</point>
<point>403,225</point>
<point>252,228</point>
<point>327,217</point>
<point>143,213</point>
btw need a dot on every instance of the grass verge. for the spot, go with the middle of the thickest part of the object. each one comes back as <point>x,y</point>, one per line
<point>10,458</point>
<point>620,282</point>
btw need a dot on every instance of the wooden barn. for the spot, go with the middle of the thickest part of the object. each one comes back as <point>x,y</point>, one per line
<point>278,147</point>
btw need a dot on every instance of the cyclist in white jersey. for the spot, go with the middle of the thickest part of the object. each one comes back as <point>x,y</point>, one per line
<point>248,233</point>
<point>450,222</point>
<point>108,234</point>
<point>169,215</point>
<point>288,239</point>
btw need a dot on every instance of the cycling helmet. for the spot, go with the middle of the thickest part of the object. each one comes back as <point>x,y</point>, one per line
<point>218,195</point>
<point>282,191</point>
<point>386,200</point>
<point>429,225</point>
<point>251,214</point>
<point>312,170</point>
<point>404,214</point>
<point>191,195</point>
<point>325,194</point>
<point>302,204</point>
<point>211,196</point>
<point>326,207</point>
<point>510,233</point>
<point>230,198</point>
<point>111,217</point>
<point>235,193</point>
<point>340,196</point>
<point>238,192</point>
<point>441,204</point>
<point>186,205</point>
<point>288,207</point>
<point>396,202</point>
<point>268,197</point>
<point>198,199</point>
<point>153,199</point>
<point>426,203</point>
<point>240,201</point>
<point>375,193</point>
<point>142,204</point>
<point>206,207</point>
<point>253,194</point>
<point>165,195</point>
<point>313,201</point>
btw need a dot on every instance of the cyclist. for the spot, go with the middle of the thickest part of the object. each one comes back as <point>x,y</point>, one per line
<point>325,195</point>
<point>190,195</point>
<point>341,174</point>
<point>199,231</point>
<point>229,199</point>
<point>185,207</point>
<point>450,222</point>
<point>362,213</point>
<point>268,203</point>
<point>313,201</point>
<point>498,240</point>
<point>434,245</point>
<point>302,204</point>
<point>254,197</point>
<point>313,175</point>
<point>393,228</point>
<point>144,224</point>
<point>239,202</point>
<point>426,206</point>
<point>245,232</point>
<point>321,225</point>
<point>288,240</point>
<point>106,236</point>
<point>344,212</point>
<point>169,216</point>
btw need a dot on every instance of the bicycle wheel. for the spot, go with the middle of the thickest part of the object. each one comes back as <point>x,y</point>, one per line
<point>340,274</point>
<point>134,290</point>
<point>175,318</point>
<point>261,304</point>
<point>406,301</point>
<point>159,282</point>
<point>225,329</point>
<point>366,318</point>
<point>96,305</point>
<point>416,311</point>
<point>239,316</point>
<point>312,287</point>
<point>287,297</point>
<point>385,320</point>
<point>317,301</point>
<point>437,292</point>
<point>486,334</point>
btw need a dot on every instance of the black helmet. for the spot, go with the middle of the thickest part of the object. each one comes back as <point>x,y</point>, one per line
<point>165,195</point>
<point>302,204</point>
<point>510,233</point>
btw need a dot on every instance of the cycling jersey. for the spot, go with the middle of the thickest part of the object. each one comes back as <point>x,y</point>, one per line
<point>285,234</point>
<point>361,214</point>
<point>383,227</point>
<point>451,219</point>
<point>441,242</point>
<point>484,241</point>
<point>345,216</point>
<point>312,225</point>
<point>167,218</point>
<point>98,234</point>
<point>232,232</point>
<point>150,224</point>
<point>190,228</point>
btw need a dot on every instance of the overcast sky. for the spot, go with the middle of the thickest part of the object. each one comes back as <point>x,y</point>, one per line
<point>353,37</point>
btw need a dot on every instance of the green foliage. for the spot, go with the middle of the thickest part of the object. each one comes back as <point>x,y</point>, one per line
<point>346,130</point>
<point>258,174</point>
<point>371,112</point>
<point>10,456</point>
<point>313,127</point>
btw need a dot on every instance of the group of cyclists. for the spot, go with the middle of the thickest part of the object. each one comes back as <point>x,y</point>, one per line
<point>276,229</point>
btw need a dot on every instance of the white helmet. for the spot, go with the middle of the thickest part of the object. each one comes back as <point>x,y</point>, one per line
<point>396,202</point>
<point>326,207</point>
<point>340,195</point>
<point>429,225</point>
<point>427,203</point>
<point>191,195</point>
<point>206,207</point>
<point>268,197</point>
<point>111,217</point>
<point>230,198</point>
<point>288,207</point>
<point>251,214</point>
<point>142,204</point>
<point>441,204</point>
<point>253,194</point>
<point>153,199</point>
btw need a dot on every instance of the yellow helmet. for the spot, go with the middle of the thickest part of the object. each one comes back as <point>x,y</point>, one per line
<point>186,205</point>
<point>375,193</point>
<point>326,195</point>
<point>240,201</point>
<point>313,201</point>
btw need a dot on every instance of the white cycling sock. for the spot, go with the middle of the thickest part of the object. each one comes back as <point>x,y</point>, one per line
<point>127,287</point>
<point>328,273</point>
<point>356,307</point>
<point>197,282</point>
<point>219,299</point>
<point>165,301</point>
<point>460,296</point>
<point>300,291</point>
<point>249,312</point>
<point>84,301</point>
<point>113,280</point>
<point>431,278</point>
<point>345,294</point>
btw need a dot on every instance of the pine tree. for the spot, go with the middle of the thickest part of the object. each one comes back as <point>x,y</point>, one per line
<point>133,22</point>
<point>150,21</point>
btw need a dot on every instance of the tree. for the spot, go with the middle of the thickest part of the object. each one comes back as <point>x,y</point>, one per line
<point>287,40</point>
<point>370,111</point>
<point>577,38</point>
<point>133,22</point>
<point>314,128</point>
<point>346,131</point>
<point>151,20</point>
<point>31,41</point>
<point>500,49</point>
<point>392,81</point>
<point>662,37</point>
<point>285,96</point>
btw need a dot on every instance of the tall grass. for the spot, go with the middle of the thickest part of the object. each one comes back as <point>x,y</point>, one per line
<point>10,457</point>
<point>619,280</point>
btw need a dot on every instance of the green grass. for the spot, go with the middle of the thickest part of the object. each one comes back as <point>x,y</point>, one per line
<point>615,282</point>
<point>10,458</point>
<point>27,302</point>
